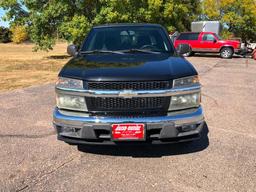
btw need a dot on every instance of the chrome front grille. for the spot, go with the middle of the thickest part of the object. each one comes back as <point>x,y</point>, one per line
<point>120,106</point>
<point>135,85</point>
<point>127,104</point>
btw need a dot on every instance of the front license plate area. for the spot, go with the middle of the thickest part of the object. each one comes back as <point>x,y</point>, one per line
<point>128,132</point>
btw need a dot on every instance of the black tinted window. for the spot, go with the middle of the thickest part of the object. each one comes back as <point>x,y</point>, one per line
<point>188,36</point>
<point>128,37</point>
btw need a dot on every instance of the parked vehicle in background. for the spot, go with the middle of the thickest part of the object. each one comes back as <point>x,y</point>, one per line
<point>208,42</point>
<point>254,54</point>
<point>251,46</point>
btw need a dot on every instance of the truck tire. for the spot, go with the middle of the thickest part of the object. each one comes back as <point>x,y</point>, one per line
<point>190,53</point>
<point>226,52</point>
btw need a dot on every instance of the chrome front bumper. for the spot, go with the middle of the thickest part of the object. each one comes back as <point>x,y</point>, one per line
<point>79,128</point>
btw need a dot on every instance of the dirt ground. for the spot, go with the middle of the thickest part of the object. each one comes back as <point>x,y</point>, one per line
<point>21,67</point>
<point>31,159</point>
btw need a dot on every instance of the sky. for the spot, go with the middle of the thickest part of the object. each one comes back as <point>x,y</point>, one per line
<point>3,23</point>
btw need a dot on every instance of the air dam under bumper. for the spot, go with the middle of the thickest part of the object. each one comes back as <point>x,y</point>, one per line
<point>78,128</point>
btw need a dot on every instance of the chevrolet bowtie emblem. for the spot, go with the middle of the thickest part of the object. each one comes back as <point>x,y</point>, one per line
<point>127,94</point>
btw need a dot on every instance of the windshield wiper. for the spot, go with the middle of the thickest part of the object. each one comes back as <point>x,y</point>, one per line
<point>101,51</point>
<point>139,50</point>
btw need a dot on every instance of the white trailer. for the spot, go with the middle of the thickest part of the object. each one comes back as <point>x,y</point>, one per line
<point>206,26</point>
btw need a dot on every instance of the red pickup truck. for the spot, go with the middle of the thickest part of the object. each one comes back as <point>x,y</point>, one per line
<point>208,42</point>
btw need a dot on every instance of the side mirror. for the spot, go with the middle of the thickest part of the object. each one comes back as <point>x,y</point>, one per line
<point>183,49</point>
<point>72,50</point>
<point>214,40</point>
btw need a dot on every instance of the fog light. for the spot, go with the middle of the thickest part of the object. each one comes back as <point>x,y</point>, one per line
<point>185,128</point>
<point>68,130</point>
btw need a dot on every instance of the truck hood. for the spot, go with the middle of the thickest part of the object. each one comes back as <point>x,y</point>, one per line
<point>230,41</point>
<point>127,67</point>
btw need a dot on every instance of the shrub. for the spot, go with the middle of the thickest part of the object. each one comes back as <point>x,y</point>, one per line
<point>19,34</point>
<point>5,35</point>
<point>225,34</point>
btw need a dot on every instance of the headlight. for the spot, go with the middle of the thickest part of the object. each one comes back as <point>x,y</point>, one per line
<point>184,101</point>
<point>68,83</point>
<point>186,81</point>
<point>71,102</point>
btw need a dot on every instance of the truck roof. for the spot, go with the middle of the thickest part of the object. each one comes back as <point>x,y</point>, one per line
<point>127,24</point>
<point>189,32</point>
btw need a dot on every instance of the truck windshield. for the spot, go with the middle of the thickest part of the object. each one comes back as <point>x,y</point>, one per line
<point>135,39</point>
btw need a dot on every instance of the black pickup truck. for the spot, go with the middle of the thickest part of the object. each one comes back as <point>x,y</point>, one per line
<point>128,84</point>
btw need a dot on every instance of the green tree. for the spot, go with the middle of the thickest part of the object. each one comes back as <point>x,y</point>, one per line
<point>75,29</point>
<point>71,20</point>
<point>15,12</point>
<point>239,15</point>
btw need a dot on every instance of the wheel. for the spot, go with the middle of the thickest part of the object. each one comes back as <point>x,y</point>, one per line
<point>226,52</point>
<point>190,53</point>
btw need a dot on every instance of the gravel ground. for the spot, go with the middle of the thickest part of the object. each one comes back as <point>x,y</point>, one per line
<point>31,159</point>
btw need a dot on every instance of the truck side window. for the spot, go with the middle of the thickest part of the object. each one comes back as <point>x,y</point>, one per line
<point>208,37</point>
<point>188,36</point>
<point>194,36</point>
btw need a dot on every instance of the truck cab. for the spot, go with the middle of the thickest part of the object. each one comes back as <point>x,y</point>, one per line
<point>208,42</point>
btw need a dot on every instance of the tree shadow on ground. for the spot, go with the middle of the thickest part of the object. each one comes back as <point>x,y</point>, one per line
<point>58,57</point>
<point>150,150</point>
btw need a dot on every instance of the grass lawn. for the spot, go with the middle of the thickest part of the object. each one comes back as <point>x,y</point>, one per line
<point>21,67</point>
